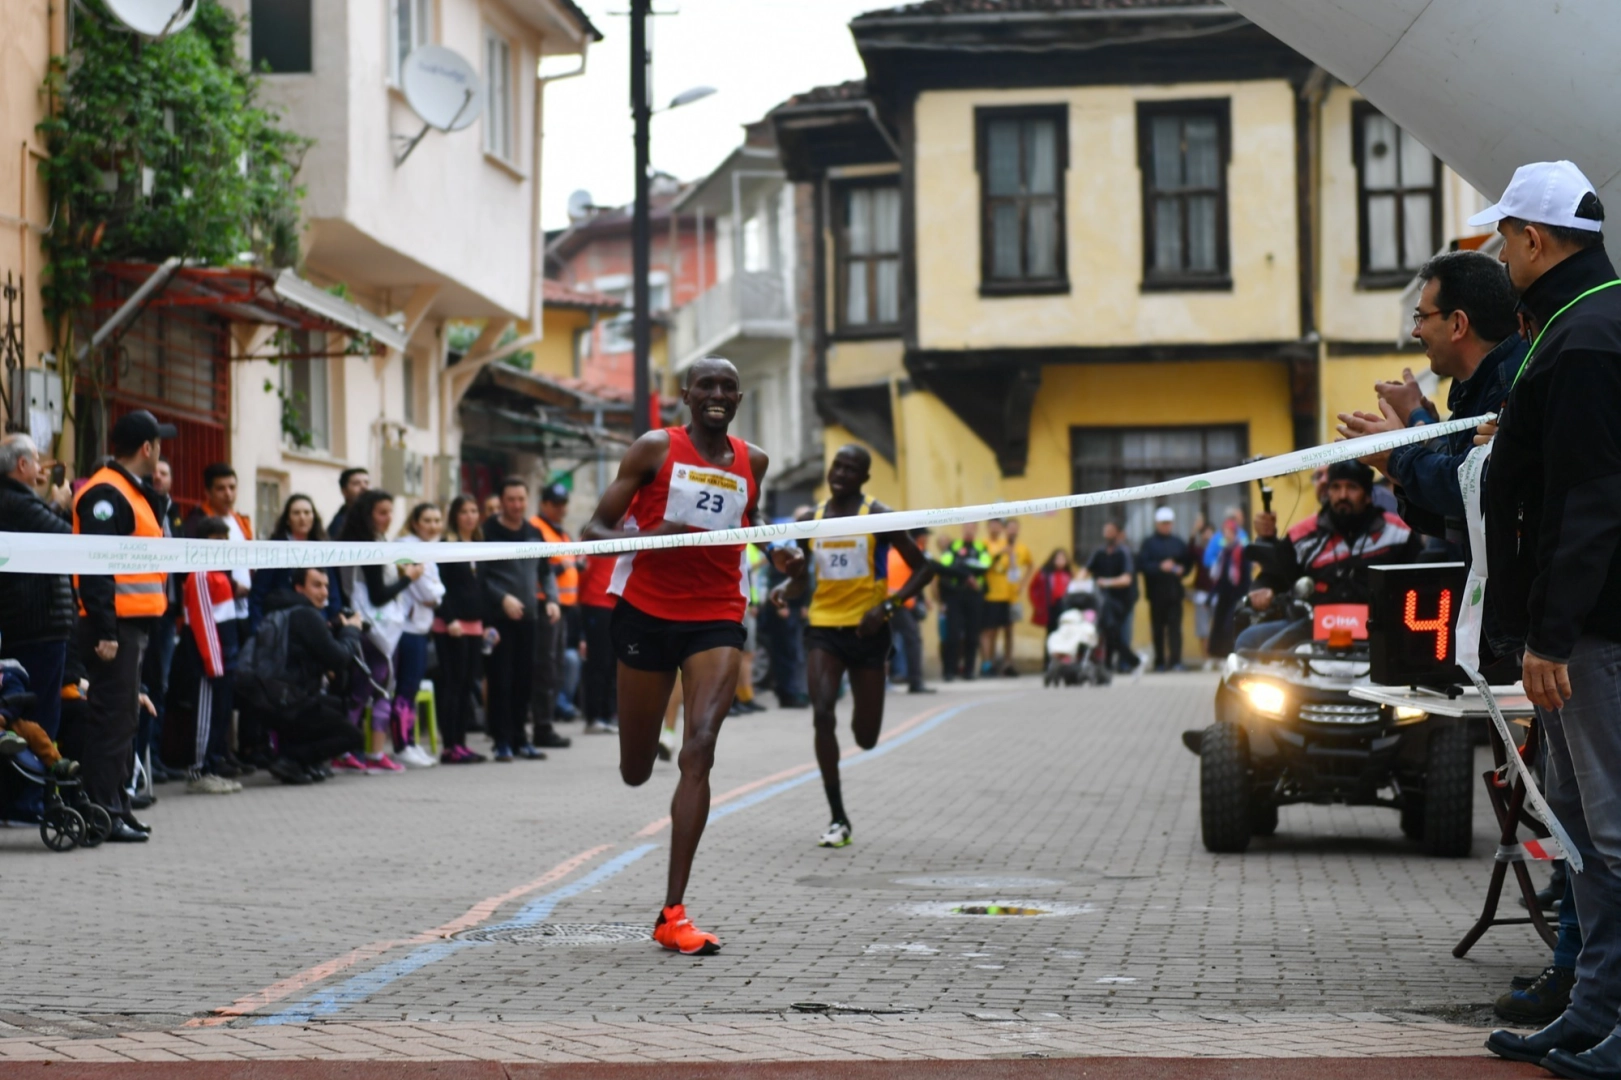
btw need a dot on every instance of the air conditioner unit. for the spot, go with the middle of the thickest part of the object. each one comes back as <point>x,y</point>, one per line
<point>402,470</point>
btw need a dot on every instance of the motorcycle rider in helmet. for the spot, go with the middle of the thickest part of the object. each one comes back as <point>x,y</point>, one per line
<point>1334,549</point>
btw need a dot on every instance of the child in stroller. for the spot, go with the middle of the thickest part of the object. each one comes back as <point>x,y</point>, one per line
<point>70,819</point>
<point>1075,649</point>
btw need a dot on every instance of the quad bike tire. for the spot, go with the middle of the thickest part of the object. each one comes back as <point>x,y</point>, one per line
<point>1412,816</point>
<point>1263,818</point>
<point>1449,793</point>
<point>1224,789</point>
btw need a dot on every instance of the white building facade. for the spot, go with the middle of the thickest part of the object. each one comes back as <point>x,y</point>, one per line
<point>451,232</point>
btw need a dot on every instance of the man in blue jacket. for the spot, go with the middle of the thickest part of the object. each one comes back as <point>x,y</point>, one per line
<point>1465,319</point>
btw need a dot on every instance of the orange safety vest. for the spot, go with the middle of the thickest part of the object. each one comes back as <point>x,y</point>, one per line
<point>899,575</point>
<point>565,567</point>
<point>135,596</point>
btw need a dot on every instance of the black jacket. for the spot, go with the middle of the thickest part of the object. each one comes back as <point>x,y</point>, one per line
<point>464,594</point>
<point>33,607</point>
<point>1337,560</point>
<point>1157,583</point>
<point>96,590</point>
<point>1553,493</point>
<point>314,649</point>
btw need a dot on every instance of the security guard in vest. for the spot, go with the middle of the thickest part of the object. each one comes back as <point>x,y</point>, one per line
<point>117,613</point>
<point>554,640</point>
<point>962,569</point>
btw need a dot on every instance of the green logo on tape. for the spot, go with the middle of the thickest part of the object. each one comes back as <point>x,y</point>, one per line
<point>1198,484</point>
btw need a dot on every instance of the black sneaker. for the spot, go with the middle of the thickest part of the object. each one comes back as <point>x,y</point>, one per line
<point>1540,1003</point>
<point>289,771</point>
<point>551,740</point>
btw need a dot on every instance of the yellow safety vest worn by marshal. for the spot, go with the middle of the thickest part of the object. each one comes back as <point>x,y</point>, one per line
<point>851,575</point>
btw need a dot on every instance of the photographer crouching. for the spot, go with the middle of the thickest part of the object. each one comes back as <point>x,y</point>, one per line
<point>297,657</point>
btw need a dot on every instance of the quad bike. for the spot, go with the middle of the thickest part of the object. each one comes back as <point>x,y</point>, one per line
<point>1287,730</point>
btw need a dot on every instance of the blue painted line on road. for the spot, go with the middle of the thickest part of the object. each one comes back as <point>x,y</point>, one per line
<point>360,987</point>
<point>880,750</point>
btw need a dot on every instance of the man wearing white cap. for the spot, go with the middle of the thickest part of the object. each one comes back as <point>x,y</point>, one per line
<point>1165,561</point>
<point>1553,541</point>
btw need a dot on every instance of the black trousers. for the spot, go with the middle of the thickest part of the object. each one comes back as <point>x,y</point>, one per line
<point>510,670</point>
<point>454,685</point>
<point>601,674</point>
<point>107,743</point>
<point>548,671</point>
<point>320,731</point>
<point>959,652</point>
<point>909,641</point>
<point>1165,617</point>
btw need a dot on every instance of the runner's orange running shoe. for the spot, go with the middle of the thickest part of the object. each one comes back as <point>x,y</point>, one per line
<point>675,932</point>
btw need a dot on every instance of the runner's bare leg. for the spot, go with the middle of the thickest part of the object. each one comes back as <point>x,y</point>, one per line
<point>710,678</point>
<point>642,699</point>
<point>823,671</point>
<point>867,688</point>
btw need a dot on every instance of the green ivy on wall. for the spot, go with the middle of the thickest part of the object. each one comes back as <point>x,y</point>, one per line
<point>160,149</point>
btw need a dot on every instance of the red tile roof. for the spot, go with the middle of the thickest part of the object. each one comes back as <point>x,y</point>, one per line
<point>556,294</point>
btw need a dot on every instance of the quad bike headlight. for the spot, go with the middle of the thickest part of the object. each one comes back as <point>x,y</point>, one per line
<point>1408,714</point>
<point>1266,698</point>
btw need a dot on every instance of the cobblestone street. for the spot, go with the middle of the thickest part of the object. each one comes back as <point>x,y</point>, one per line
<point>300,923</point>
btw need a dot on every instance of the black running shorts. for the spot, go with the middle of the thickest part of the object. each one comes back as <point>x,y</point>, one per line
<point>648,643</point>
<point>854,651</point>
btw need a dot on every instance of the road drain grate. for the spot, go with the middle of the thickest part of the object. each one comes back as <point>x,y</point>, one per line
<point>559,934</point>
<point>997,909</point>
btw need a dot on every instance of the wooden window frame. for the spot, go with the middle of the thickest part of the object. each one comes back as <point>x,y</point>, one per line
<point>842,259</point>
<point>500,124</point>
<point>984,116</point>
<point>1156,280</point>
<point>1399,278</point>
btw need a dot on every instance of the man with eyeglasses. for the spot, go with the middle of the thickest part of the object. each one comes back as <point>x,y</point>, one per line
<point>1466,321</point>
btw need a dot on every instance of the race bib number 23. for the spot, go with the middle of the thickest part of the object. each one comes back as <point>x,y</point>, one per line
<point>706,498</point>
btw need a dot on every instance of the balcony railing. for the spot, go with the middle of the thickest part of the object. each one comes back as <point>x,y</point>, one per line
<point>754,304</point>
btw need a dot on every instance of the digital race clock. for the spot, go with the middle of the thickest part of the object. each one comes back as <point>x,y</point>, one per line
<point>1412,623</point>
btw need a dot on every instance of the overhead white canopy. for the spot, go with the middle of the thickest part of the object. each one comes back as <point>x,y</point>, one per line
<point>1486,84</point>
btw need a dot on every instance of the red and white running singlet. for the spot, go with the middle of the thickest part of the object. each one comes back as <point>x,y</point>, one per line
<point>694,584</point>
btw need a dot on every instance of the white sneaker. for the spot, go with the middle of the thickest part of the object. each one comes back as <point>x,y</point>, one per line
<point>414,757</point>
<point>837,835</point>
<point>607,727</point>
<point>209,784</point>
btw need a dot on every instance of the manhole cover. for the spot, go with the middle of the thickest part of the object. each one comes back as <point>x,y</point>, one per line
<point>1041,909</point>
<point>553,934</point>
<point>997,909</point>
<point>966,881</point>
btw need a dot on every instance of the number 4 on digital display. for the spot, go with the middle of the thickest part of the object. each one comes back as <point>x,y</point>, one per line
<point>1440,626</point>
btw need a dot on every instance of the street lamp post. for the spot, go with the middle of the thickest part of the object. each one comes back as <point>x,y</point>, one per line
<point>641,255</point>
<point>641,297</point>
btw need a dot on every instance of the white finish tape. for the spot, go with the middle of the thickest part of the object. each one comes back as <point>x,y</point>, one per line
<point>1470,475</point>
<point>32,553</point>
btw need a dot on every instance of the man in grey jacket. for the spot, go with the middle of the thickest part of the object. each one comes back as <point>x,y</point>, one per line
<point>512,587</point>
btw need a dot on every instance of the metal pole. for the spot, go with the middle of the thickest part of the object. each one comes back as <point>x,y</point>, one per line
<point>641,111</point>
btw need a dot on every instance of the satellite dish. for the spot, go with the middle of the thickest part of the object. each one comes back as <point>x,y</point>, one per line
<point>442,88</point>
<point>579,205</point>
<point>154,18</point>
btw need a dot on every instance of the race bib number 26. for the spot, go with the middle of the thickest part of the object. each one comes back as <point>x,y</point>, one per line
<point>706,498</point>
<point>843,559</point>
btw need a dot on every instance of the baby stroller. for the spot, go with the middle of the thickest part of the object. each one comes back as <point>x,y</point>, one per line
<point>70,819</point>
<point>1075,651</point>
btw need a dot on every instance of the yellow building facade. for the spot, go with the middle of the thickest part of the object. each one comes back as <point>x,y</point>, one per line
<point>1038,275</point>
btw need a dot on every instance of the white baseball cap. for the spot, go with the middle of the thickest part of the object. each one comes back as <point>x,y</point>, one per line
<point>1165,513</point>
<point>1546,193</point>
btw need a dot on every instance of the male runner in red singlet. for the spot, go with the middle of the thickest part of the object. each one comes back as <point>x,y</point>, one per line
<point>681,610</point>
